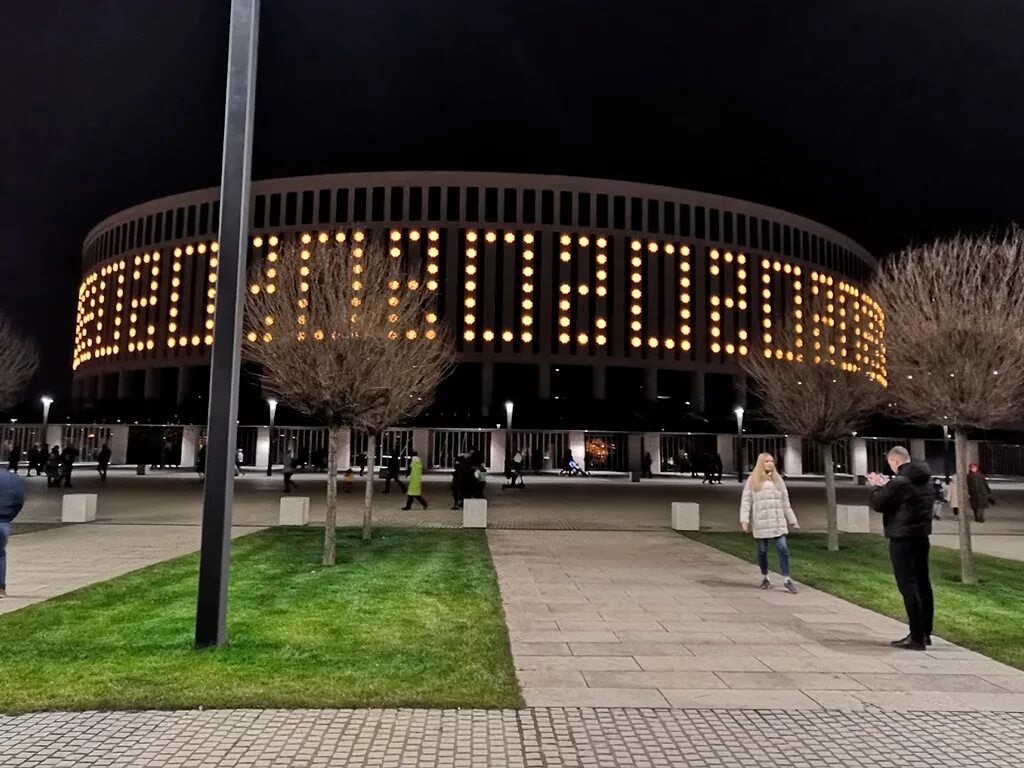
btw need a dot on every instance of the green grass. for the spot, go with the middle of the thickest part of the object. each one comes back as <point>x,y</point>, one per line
<point>987,618</point>
<point>410,618</point>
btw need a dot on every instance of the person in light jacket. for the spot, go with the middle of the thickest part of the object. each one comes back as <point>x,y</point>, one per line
<point>765,512</point>
<point>415,490</point>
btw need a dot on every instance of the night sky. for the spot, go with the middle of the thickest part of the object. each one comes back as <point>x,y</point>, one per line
<point>891,122</point>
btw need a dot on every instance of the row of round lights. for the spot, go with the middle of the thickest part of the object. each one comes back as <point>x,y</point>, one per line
<point>716,269</point>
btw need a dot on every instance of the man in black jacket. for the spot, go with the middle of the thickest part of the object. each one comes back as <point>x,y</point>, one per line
<point>905,503</point>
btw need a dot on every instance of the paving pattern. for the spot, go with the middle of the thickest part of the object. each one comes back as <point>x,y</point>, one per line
<point>655,619</point>
<point>517,739</point>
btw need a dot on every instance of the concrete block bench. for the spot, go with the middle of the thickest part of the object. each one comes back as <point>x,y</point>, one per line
<point>78,508</point>
<point>853,519</point>
<point>685,516</point>
<point>474,513</point>
<point>294,510</point>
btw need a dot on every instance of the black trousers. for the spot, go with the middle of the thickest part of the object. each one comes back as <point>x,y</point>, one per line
<point>910,567</point>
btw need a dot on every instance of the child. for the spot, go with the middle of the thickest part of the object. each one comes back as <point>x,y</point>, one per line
<point>347,479</point>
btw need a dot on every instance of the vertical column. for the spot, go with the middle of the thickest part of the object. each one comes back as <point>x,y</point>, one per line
<point>793,462</point>
<point>651,383</point>
<point>497,461</point>
<point>544,381</point>
<point>184,381</point>
<point>917,452</point>
<point>727,450</point>
<point>421,444</point>
<point>151,388</point>
<point>486,386</point>
<point>190,444</point>
<point>54,435</point>
<point>635,453</point>
<point>101,386</point>
<point>697,390</point>
<point>859,461</point>
<point>972,452</point>
<point>344,457</point>
<point>578,447</point>
<point>600,376</point>
<point>262,447</point>
<point>739,389</point>
<point>119,444</point>
<point>652,445</point>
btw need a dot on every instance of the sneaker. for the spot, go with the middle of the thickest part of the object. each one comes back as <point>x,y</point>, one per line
<point>908,643</point>
<point>790,587</point>
<point>766,584</point>
<point>3,593</point>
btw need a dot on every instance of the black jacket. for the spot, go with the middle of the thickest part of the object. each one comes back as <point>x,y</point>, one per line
<point>906,502</point>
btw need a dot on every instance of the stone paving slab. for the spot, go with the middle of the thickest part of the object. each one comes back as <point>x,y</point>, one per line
<point>695,631</point>
<point>537,738</point>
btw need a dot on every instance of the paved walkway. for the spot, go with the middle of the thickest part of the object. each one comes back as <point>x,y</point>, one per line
<point>498,739</point>
<point>655,619</point>
<point>46,563</point>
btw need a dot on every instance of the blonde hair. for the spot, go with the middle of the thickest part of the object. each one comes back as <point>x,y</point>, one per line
<point>760,476</point>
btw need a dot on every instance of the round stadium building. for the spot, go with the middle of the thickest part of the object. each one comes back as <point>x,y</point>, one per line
<point>562,292</point>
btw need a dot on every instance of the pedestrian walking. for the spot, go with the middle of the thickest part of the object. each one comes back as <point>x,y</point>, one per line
<point>67,463</point>
<point>35,461</point>
<point>647,464</point>
<point>291,464</point>
<point>462,481</point>
<point>979,495</point>
<point>102,462</point>
<point>415,490</point>
<point>716,467</point>
<point>766,513</point>
<point>348,480</point>
<point>53,468</point>
<point>394,473</point>
<point>518,469</point>
<point>14,459</point>
<point>239,458</point>
<point>201,460</point>
<point>905,503</point>
<point>361,462</point>
<point>12,499</point>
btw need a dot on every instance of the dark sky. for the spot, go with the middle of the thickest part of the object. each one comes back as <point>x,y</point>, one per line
<point>891,121</point>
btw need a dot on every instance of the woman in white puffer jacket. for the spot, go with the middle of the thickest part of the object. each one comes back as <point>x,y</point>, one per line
<point>766,513</point>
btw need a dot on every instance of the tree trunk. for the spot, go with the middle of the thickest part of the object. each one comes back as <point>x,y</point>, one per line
<point>331,523</point>
<point>968,573</point>
<point>371,455</point>
<point>831,514</point>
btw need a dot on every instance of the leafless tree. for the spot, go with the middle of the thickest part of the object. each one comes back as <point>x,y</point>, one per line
<point>811,384</point>
<point>954,310</point>
<point>348,335</point>
<point>19,361</point>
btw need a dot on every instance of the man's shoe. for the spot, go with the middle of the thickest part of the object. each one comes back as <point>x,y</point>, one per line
<point>3,593</point>
<point>927,639</point>
<point>908,643</point>
<point>790,587</point>
<point>765,584</point>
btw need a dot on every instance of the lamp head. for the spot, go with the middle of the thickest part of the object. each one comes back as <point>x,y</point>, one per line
<point>46,400</point>
<point>272,402</point>
<point>739,411</point>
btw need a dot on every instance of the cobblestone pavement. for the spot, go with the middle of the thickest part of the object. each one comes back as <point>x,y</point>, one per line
<point>653,619</point>
<point>537,737</point>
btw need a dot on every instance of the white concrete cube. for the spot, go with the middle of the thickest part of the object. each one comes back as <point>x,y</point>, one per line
<point>853,519</point>
<point>474,513</point>
<point>294,510</point>
<point>685,516</point>
<point>78,508</point>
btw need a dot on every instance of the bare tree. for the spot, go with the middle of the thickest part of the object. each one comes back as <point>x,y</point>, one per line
<point>811,382</point>
<point>19,361</point>
<point>954,310</point>
<point>342,332</point>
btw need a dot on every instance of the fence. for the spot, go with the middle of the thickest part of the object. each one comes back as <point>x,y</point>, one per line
<point>541,450</point>
<point>842,457</point>
<point>606,451</point>
<point>446,445</point>
<point>1001,459</point>
<point>686,453</point>
<point>393,442</point>
<point>755,445</point>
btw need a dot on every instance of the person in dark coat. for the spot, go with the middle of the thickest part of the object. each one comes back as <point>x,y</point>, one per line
<point>14,459</point>
<point>67,463</point>
<point>905,503</point>
<point>291,465</point>
<point>361,463</point>
<point>979,495</point>
<point>103,461</point>
<point>648,463</point>
<point>201,460</point>
<point>12,499</point>
<point>462,482</point>
<point>394,472</point>
<point>35,461</point>
<point>716,467</point>
<point>53,468</point>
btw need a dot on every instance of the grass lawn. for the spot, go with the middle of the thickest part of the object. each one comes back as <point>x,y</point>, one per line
<point>411,618</point>
<point>987,618</point>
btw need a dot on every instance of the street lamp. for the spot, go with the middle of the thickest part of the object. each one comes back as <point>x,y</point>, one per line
<point>739,443</point>
<point>47,402</point>
<point>272,403</point>
<point>509,406</point>
<point>945,450</point>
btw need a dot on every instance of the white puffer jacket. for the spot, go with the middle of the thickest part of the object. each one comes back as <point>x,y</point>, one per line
<point>767,511</point>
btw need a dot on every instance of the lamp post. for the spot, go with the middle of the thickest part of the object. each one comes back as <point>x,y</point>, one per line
<point>509,407</point>
<point>945,450</point>
<point>47,402</point>
<point>272,404</point>
<point>739,443</point>
<point>225,357</point>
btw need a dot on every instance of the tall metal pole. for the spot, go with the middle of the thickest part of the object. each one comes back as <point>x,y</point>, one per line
<point>272,404</point>
<point>222,426</point>
<point>739,444</point>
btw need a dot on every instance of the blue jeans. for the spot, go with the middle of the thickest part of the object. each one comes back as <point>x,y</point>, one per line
<point>762,555</point>
<point>5,534</point>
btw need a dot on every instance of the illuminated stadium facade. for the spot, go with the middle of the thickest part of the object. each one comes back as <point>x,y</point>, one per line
<point>611,288</point>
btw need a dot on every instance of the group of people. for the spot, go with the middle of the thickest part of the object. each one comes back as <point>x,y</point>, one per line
<point>906,502</point>
<point>979,495</point>
<point>56,463</point>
